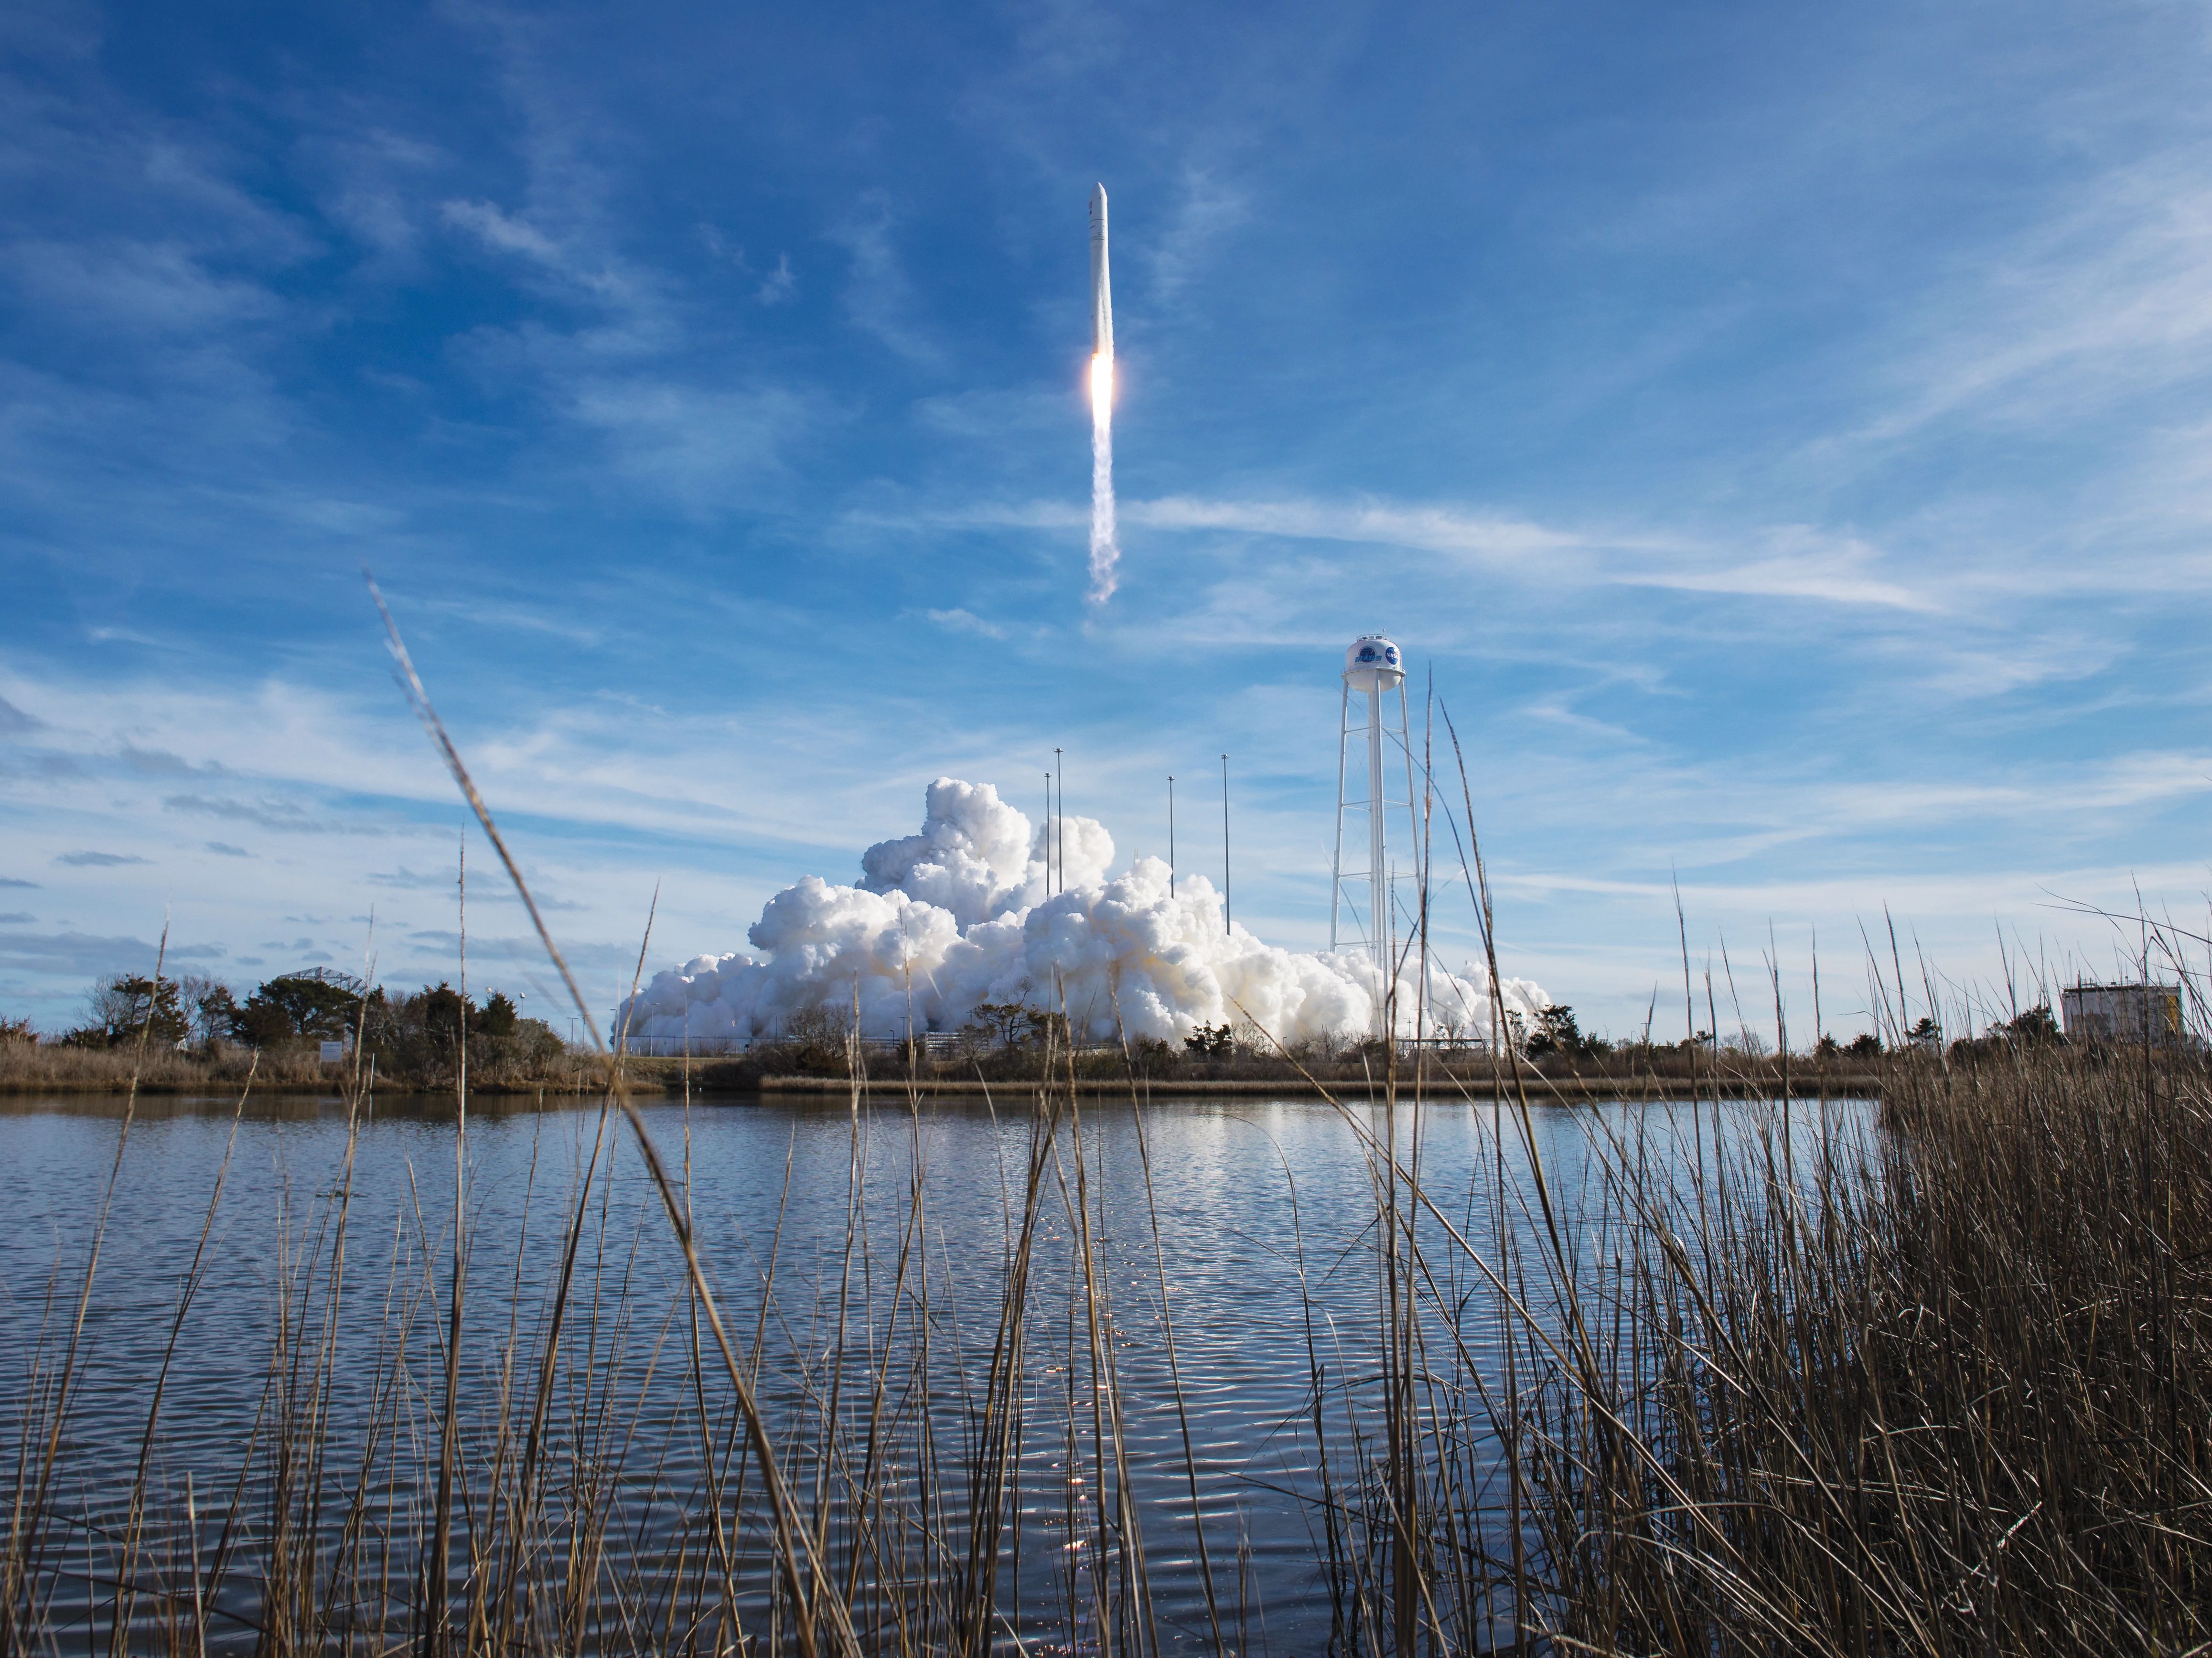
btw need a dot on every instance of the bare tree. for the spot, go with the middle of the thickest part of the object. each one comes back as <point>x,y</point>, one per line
<point>209,1005</point>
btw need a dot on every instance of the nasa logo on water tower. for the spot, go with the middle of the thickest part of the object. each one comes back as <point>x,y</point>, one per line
<point>1372,663</point>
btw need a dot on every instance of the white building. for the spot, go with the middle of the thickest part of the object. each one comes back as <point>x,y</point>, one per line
<point>2122,1013</point>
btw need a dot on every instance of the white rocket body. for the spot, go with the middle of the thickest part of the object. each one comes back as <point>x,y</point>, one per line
<point>1102,286</point>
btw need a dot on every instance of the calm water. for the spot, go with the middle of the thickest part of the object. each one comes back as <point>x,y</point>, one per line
<point>1265,1228</point>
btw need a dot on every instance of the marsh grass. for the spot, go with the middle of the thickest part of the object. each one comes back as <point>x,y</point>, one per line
<point>46,1066</point>
<point>52,1068</point>
<point>1942,1389</point>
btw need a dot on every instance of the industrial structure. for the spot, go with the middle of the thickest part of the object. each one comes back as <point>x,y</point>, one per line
<point>1367,757</point>
<point>2112,1014</point>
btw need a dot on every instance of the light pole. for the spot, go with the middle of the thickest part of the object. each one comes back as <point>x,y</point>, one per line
<point>1225,844</point>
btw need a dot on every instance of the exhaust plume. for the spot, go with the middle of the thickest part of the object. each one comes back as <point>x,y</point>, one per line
<point>1105,552</point>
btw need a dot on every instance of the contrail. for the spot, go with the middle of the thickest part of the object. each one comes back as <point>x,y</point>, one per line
<point>1105,553</point>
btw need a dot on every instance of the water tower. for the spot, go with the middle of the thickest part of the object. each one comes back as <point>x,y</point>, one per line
<point>1359,897</point>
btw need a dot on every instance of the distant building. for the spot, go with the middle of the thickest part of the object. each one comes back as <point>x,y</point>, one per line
<point>2113,1014</point>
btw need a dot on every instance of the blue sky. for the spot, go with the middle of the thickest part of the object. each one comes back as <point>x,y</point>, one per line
<point>1781,432</point>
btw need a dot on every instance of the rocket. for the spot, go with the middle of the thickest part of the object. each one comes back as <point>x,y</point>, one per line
<point>1102,287</point>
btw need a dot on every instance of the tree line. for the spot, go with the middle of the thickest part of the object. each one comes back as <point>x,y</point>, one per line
<point>412,1036</point>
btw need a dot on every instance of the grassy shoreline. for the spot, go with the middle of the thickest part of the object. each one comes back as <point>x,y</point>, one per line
<point>1483,1085</point>
<point>51,1068</point>
<point>57,1068</point>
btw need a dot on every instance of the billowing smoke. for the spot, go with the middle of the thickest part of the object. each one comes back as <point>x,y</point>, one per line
<point>958,915</point>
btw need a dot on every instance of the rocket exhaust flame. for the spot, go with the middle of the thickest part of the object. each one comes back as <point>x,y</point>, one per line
<point>1105,551</point>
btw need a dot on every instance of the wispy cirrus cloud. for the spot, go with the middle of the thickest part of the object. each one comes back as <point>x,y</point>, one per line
<point>1209,206</point>
<point>505,232</point>
<point>879,297</point>
<point>272,812</point>
<point>705,446</point>
<point>2109,298</point>
<point>965,622</point>
<point>1793,561</point>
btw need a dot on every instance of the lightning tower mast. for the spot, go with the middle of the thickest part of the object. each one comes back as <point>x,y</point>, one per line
<point>1359,891</point>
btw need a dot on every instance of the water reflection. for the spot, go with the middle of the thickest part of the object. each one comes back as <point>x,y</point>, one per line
<point>861,1261</point>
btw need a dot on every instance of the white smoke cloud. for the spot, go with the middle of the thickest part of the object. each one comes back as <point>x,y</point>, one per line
<point>958,915</point>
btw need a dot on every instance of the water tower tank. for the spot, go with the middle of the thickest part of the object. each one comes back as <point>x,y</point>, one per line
<point>1372,663</point>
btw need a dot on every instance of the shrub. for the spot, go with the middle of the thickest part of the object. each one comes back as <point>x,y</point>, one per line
<point>125,1006</point>
<point>318,1004</point>
<point>1557,1032</point>
<point>1212,1041</point>
<point>1148,1055</point>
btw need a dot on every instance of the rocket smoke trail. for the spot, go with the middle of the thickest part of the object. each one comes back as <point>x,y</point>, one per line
<point>1105,553</point>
